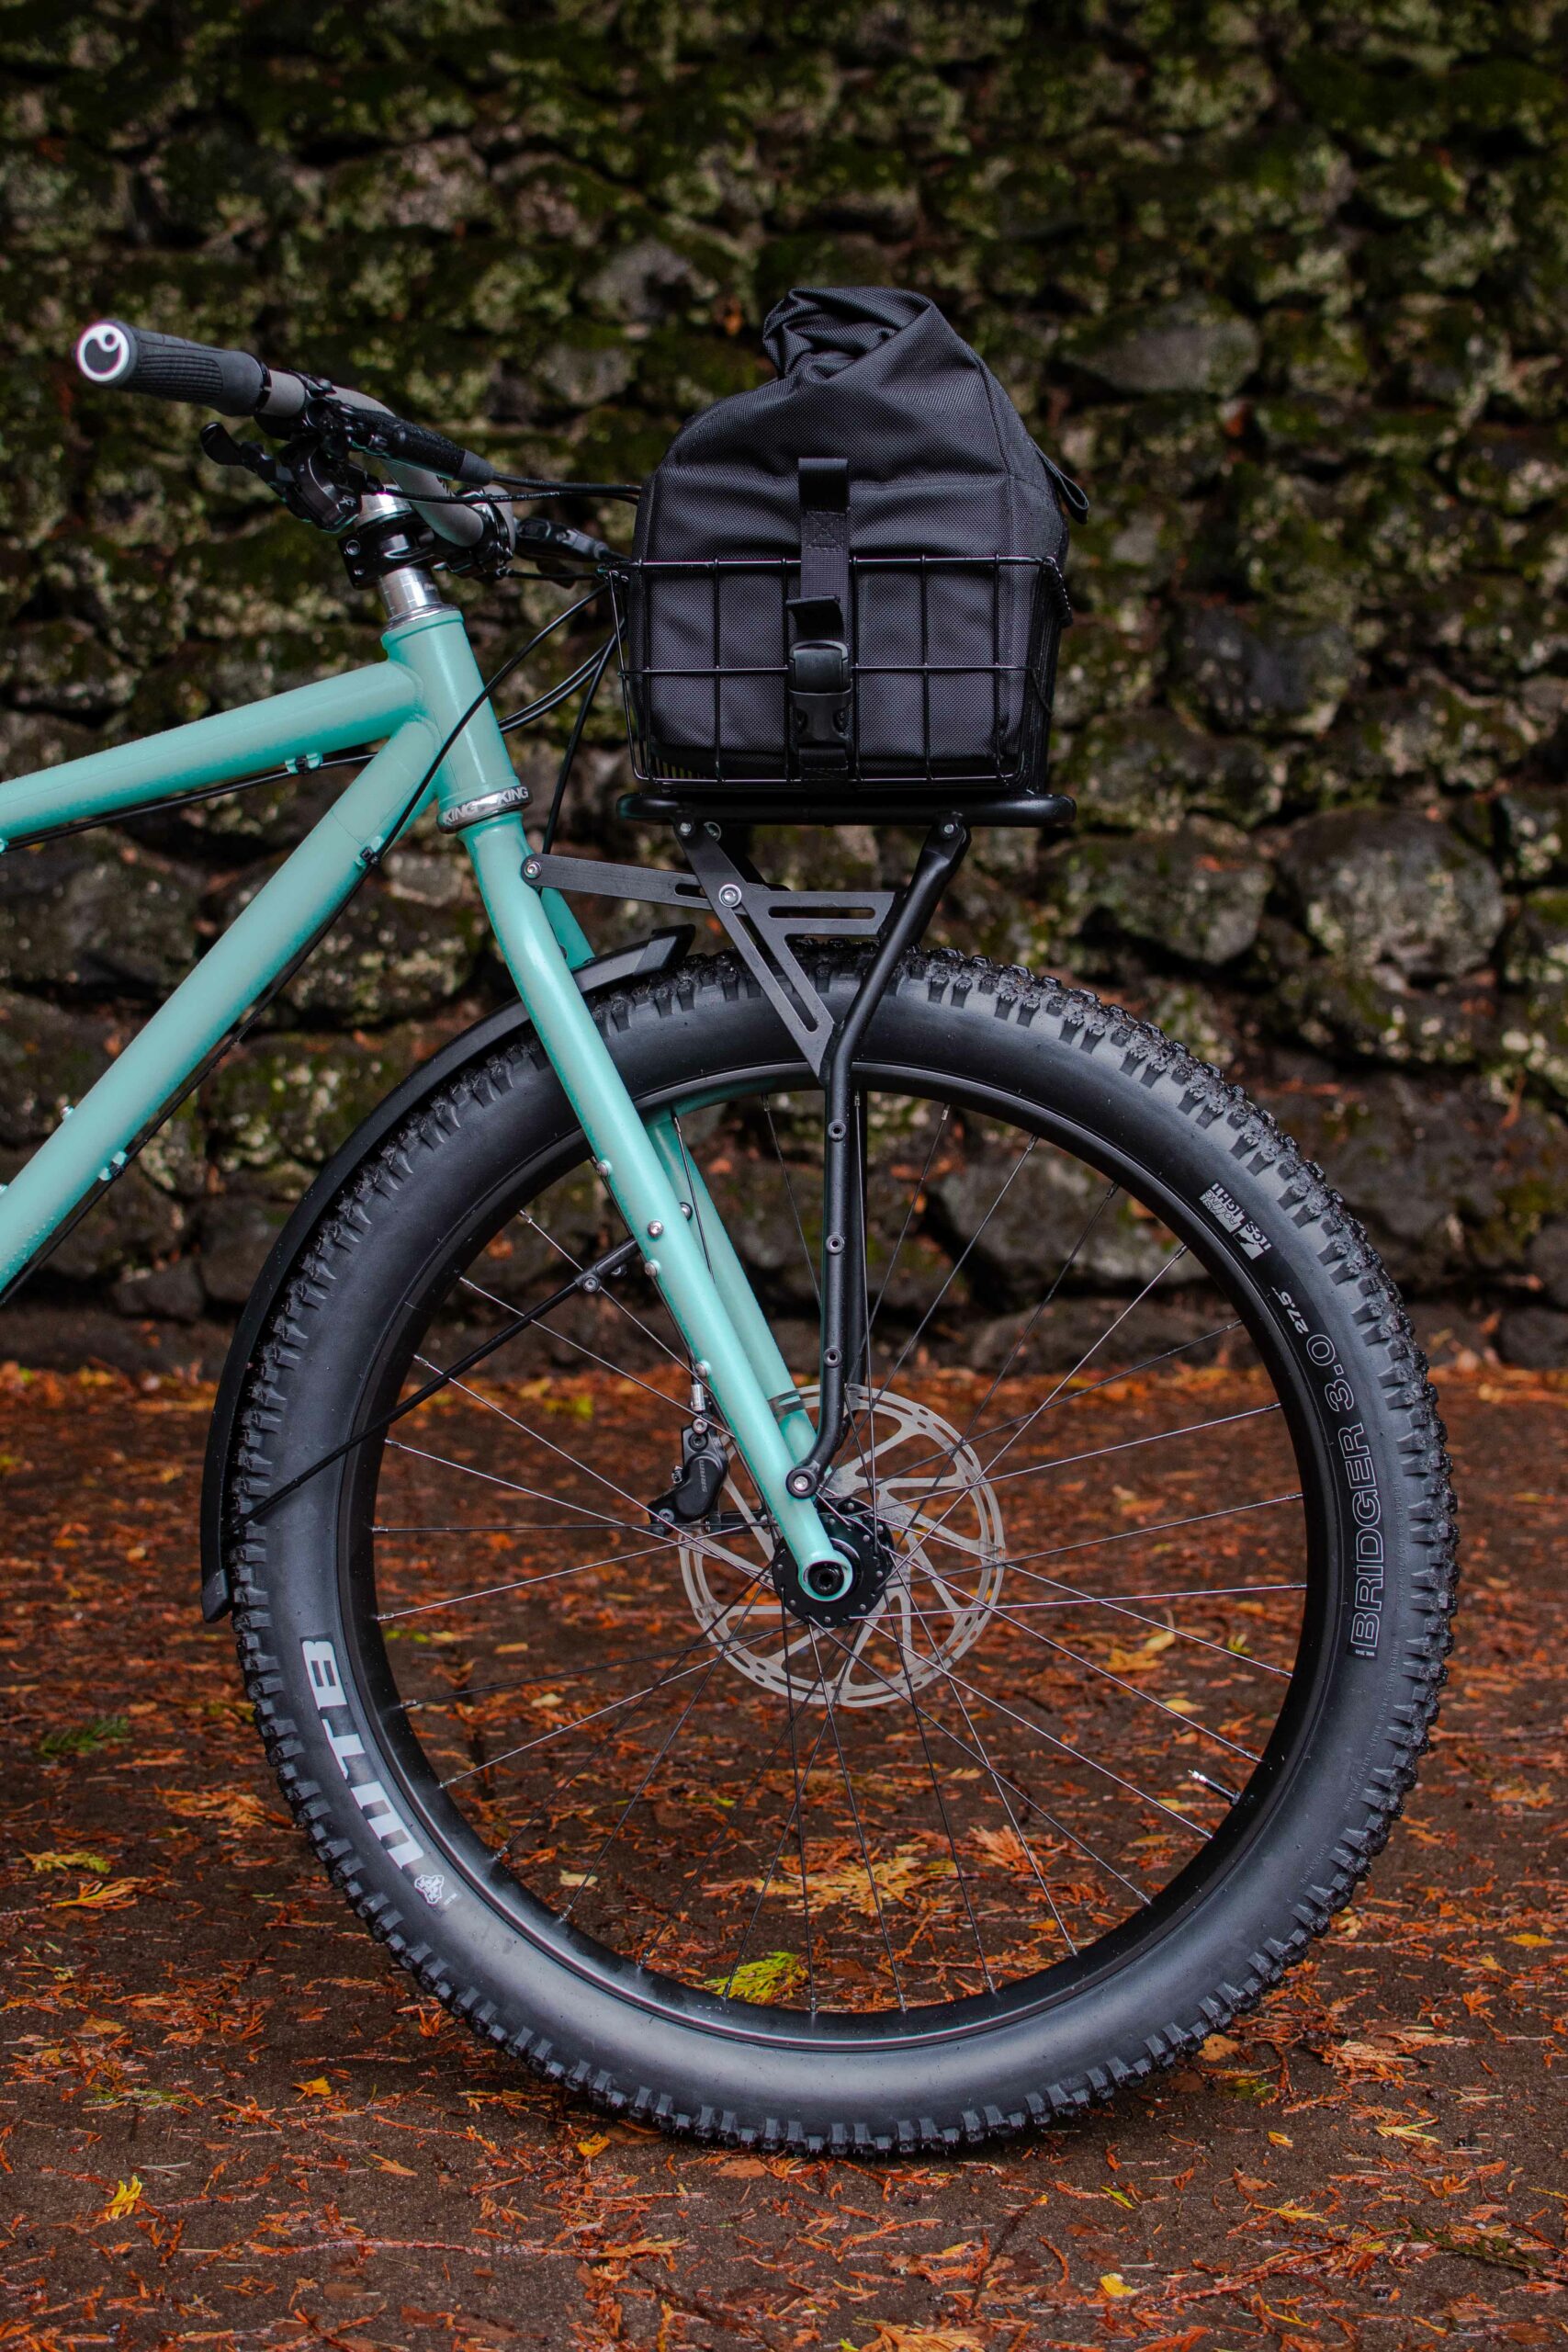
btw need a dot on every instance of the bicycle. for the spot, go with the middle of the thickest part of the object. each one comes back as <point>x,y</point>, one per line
<point>1034,1639</point>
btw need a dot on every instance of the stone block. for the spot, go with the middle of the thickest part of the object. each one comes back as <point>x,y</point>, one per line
<point>91,913</point>
<point>1386,887</point>
<point>1262,672</point>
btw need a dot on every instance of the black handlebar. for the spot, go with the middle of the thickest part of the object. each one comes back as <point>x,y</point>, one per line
<point>131,359</point>
<point>170,369</point>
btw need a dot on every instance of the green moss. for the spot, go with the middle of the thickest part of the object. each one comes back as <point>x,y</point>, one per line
<point>1378,113</point>
<point>909,110</point>
<point>820,257</point>
<point>1198,89</point>
<point>678,373</point>
<point>1535,952</point>
<point>1285,287</point>
<point>211,179</point>
<point>1450,353</point>
<point>1442,251</point>
<point>1196,892</point>
<point>1100,668</point>
<point>62,666</point>
<point>1045,88</point>
<point>291,105</point>
<point>1413,187</point>
<point>852,186</point>
<point>1511,97</point>
<point>1513,470</point>
<point>1343,1009</point>
<point>60,199</point>
<point>278,1109</point>
<point>999,197</point>
<point>1281,541</point>
<point>275,578</point>
<point>1407,532</point>
<point>1146,770</point>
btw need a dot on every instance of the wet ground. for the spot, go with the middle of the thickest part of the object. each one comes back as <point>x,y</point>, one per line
<point>224,2119</point>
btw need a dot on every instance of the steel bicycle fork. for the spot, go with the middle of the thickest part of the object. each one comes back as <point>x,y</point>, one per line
<point>635,1169</point>
<point>670,1216</point>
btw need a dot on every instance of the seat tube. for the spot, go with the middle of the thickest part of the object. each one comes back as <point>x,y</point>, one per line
<point>639,1180</point>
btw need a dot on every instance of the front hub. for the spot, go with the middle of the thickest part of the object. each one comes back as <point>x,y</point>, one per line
<point>823,1594</point>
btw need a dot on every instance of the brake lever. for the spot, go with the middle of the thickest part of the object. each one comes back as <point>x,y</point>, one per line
<point>559,552</point>
<point>312,483</point>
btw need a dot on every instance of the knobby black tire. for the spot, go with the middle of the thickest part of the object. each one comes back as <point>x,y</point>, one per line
<point>1358,1730</point>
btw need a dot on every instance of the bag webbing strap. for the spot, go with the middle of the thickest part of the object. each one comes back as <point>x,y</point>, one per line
<point>819,664</point>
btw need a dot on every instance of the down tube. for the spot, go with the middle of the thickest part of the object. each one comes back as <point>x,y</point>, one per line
<point>637,1177</point>
<point>92,1143</point>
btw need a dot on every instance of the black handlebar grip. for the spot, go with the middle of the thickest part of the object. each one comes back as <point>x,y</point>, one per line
<point>417,445</point>
<point>169,368</point>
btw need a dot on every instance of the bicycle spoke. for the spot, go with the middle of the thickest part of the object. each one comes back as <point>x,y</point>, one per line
<point>950,1791</point>
<point>616,1301</point>
<point>1033,1802</point>
<point>472,1691</point>
<point>967,1433</point>
<point>586,1469</point>
<point>1114,1325</point>
<point>956,1267</point>
<point>947,1825</point>
<point>517,1584</point>
<point>1119,1607</point>
<point>725,1830</point>
<point>1078,1754</point>
<point>799,1810</point>
<point>1092,1389</point>
<point>1127,1445</point>
<point>916,1191</point>
<point>794,1209</point>
<point>1001,1789</point>
<point>581,1347</point>
<point>860,1837</point>
<point>1190,1722</point>
<point>642,1786</point>
<point>488,1527</point>
<point>1180,1592</point>
<point>800,1780</point>
<point>558,1731</point>
<point>562,1731</point>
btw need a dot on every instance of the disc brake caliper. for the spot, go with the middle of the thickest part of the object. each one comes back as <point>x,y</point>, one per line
<point>698,1477</point>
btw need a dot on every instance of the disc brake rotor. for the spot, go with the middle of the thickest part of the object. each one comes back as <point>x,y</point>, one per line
<point>910,1476</point>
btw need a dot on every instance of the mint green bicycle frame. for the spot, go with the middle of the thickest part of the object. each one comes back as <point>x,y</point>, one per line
<point>414,699</point>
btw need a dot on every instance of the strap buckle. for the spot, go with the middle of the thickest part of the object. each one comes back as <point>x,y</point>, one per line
<point>818,668</point>
<point>819,684</point>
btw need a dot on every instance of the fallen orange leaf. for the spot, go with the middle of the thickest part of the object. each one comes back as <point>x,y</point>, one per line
<point>76,1858</point>
<point>108,1895</point>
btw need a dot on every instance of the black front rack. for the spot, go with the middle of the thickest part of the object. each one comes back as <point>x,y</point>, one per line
<point>932,691</point>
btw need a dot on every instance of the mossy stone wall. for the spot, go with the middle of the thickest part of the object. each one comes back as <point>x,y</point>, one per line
<point>1286,286</point>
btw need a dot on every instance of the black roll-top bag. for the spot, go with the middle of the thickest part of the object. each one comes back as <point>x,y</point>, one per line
<point>851,575</point>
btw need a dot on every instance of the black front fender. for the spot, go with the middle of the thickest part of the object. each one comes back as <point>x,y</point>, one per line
<point>663,951</point>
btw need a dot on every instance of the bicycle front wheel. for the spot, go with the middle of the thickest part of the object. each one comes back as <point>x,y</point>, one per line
<point>1151,1504</point>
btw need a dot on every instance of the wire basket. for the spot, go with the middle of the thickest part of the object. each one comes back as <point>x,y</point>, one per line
<point>939,676</point>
